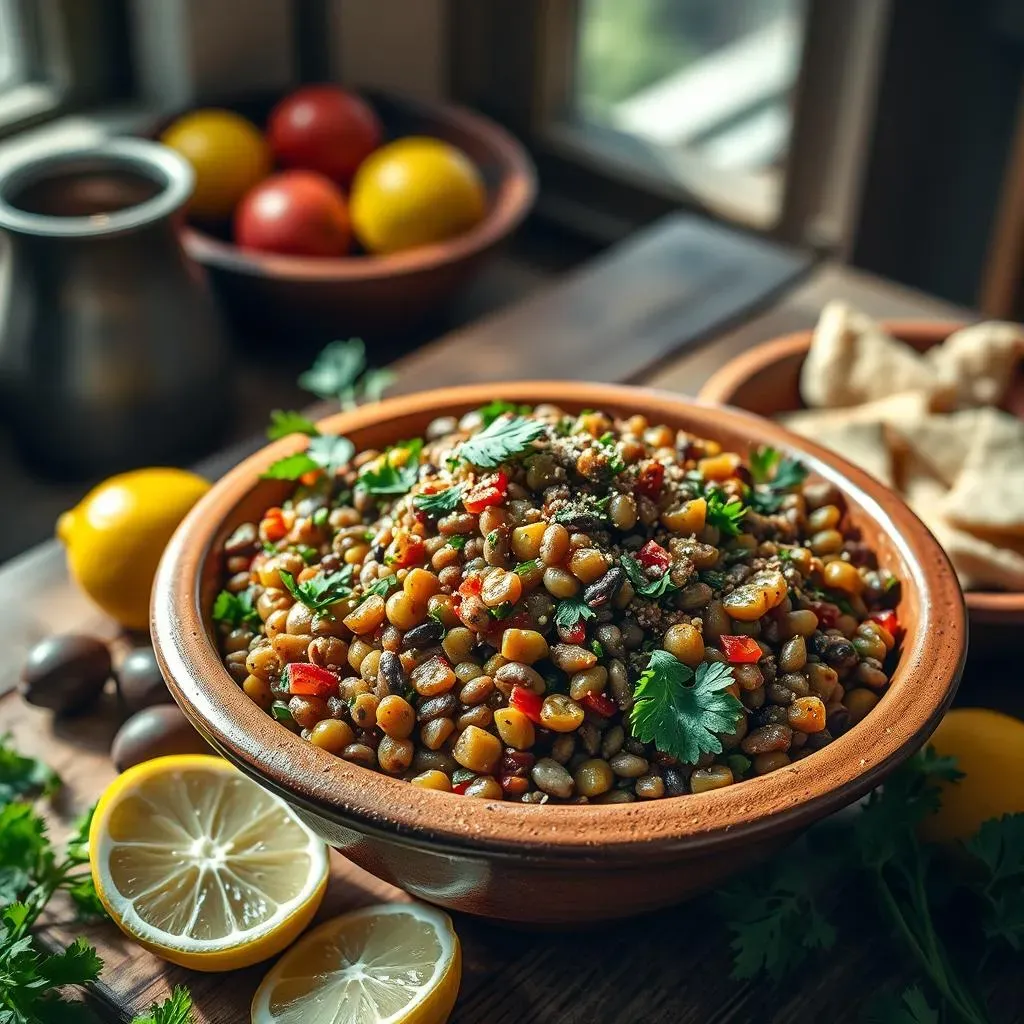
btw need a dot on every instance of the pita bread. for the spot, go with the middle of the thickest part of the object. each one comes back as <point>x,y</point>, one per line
<point>989,491</point>
<point>979,564</point>
<point>863,444</point>
<point>852,360</point>
<point>979,361</point>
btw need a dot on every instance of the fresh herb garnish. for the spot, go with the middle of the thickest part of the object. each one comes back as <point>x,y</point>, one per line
<point>236,609</point>
<point>642,583</point>
<point>503,611</point>
<point>323,590</point>
<point>340,372</point>
<point>381,587</point>
<point>308,554</point>
<point>457,541</point>
<point>279,709</point>
<point>493,537</point>
<point>726,515</point>
<point>615,461</point>
<point>500,441</point>
<point>23,776</point>
<point>441,503</point>
<point>388,479</point>
<point>774,475</point>
<point>462,775</point>
<point>320,517</point>
<point>571,610</point>
<point>496,409</point>
<point>596,508</point>
<point>525,568</point>
<point>738,765</point>
<point>286,421</point>
<point>681,711</point>
<point>175,1009</point>
<point>595,646</point>
<point>329,452</point>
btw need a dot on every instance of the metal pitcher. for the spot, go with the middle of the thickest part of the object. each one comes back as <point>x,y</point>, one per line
<point>112,352</point>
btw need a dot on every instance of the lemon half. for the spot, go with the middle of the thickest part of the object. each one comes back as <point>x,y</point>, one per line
<point>202,866</point>
<point>397,963</point>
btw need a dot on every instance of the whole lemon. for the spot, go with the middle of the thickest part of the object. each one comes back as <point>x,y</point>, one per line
<point>413,192</point>
<point>117,533</point>
<point>228,154</point>
<point>989,750</point>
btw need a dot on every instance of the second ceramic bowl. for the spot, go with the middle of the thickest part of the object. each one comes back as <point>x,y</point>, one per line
<point>565,864</point>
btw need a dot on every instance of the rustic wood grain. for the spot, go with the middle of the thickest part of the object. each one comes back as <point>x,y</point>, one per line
<point>669,967</point>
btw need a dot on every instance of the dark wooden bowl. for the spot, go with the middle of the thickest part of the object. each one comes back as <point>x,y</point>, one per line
<point>766,380</point>
<point>366,294</point>
<point>566,864</point>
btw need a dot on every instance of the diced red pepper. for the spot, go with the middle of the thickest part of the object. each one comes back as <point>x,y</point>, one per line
<point>526,701</point>
<point>513,785</point>
<point>887,620</point>
<point>601,704</point>
<point>306,680</point>
<point>574,634</point>
<point>471,586</point>
<point>650,479</point>
<point>489,491</point>
<point>405,550</point>
<point>653,556</point>
<point>461,787</point>
<point>273,526</point>
<point>741,650</point>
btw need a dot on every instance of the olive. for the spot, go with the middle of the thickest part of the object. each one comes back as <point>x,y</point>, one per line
<point>155,732</point>
<point>139,680</point>
<point>65,673</point>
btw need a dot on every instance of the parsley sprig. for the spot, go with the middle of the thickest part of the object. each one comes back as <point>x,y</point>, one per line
<point>572,610</point>
<point>681,711</point>
<point>441,503</point>
<point>774,475</point>
<point>385,478</point>
<point>236,609</point>
<point>494,410</point>
<point>503,439</point>
<point>323,590</point>
<point>642,583</point>
<point>340,372</point>
<point>726,514</point>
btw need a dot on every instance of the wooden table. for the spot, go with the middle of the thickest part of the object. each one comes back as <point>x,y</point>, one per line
<point>622,318</point>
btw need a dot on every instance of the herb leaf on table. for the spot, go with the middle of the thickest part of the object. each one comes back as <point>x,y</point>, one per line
<point>23,776</point>
<point>500,441</point>
<point>175,1009</point>
<point>680,710</point>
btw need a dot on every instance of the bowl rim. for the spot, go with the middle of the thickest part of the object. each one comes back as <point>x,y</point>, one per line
<point>995,607</point>
<point>513,198</point>
<point>372,803</point>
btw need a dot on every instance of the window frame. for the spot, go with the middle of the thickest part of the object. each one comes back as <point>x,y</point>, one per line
<point>514,60</point>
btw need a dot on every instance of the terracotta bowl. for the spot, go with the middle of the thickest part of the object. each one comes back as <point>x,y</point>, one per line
<point>569,864</point>
<point>766,380</point>
<point>363,294</point>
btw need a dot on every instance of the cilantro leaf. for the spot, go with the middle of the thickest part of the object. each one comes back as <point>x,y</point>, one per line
<point>381,587</point>
<point>726,515</point>
<point>331,452</point>
<point>681,711</point>
<point>336,369</point>
<point>774,475</point>
<point>75,965</point>
<point>286,421</point>
<point>236,609</point>
<point>389,479</point>
<point>175,1009</point>
<point>616,464</point>
<point>457,541</point>
<point>439,504</point>
<point>525,568</point>
<point>503,439</point>
<point>291,467</point>
<point>763,461</point>
<point>571,610</point>
<point>910,1007</point>
<point>998,851</point>
<point>496,409</point>
<point>23,776</point>
<point>320,592</point>
<point>642,583</point>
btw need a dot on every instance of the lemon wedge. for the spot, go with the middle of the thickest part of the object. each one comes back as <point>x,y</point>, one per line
<point>202,866</point>
<point>397,963</point>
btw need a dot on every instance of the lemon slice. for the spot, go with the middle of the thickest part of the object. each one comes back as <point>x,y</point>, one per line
<point>397,963</point>
<point>202,866</point>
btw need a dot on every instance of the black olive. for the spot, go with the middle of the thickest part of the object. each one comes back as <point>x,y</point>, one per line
<point>139,680</point>
<point>438,707</point>
<point>601,591</point>
<point>391,677</point>
<point>155,732</point>
<point>66,673</point>
<point>426,634</point>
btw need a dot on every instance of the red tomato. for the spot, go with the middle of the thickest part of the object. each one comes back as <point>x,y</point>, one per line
<point>310,680</point>
<point>601,704</point>
<point>323,128</point>
<point>574,634</point>
<point>405,550</point>
<point>888,621</point>
<point>741,650</point>
<point>489,491</point>
<point>653,556</point>
<point>295,213</point>
<point>526,701</point>
<point>649,480</point>
<point>461,787</point>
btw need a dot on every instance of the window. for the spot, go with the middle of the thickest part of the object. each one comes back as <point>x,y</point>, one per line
<point>705,85</point>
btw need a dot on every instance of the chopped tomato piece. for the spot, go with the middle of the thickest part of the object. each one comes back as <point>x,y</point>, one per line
<point>653,556</point>
<point>405,550</point>
<point>648,483</point>
<point>461,787</point>
<point>514,785</point>
<point>471,586</point>
<point>310,680</point>
<point>273,526</point>
<point>489,491</point>
<point>887,620</point>
<point>741,650</point>
<point>600,704</point>
<point>526,701</point>
<point>574,634</point>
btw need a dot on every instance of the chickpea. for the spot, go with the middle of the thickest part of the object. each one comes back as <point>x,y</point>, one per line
<point>589,681</point>
<point>363,710</point>
<point>687,518</point>
<point>525,645</point>
<point>367,616</point>
<point>486,787</point>
<point>477,750</point>
<point>526,541</point>
<point>559,583</point>
<point>307,711</point>
<point>395,717</point>
<point>332,735</point>
<point>432,779</point>
<point>843,576</point>
<point>826,517</point>
<point>593,777</point>
<point>827,542</point>
<point>715,776</point>
<point>684,642</point>
<point>622,511</point>
<point>554,545</point>
<point>650,787</point>
<point>501,587</point>
<point>403,612</point>
<point>433,677</point>
<point>258,690</point>
<point>859,702</point>
<point>764,763</point>
<point>806,714</point>
<point>395,755</point>
<point>588,564</point>
<point>434,734</point>
<point>560,713</point>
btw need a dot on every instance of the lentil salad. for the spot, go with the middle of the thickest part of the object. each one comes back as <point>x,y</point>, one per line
<point>537,606</point>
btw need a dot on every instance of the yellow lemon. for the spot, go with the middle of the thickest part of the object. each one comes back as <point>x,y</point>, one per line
<point>228,154</point>
<point>398,963</point>
<point>415,191</point>
<point>989,750</point>
<point>117,533</point>
<point>201,865</point>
